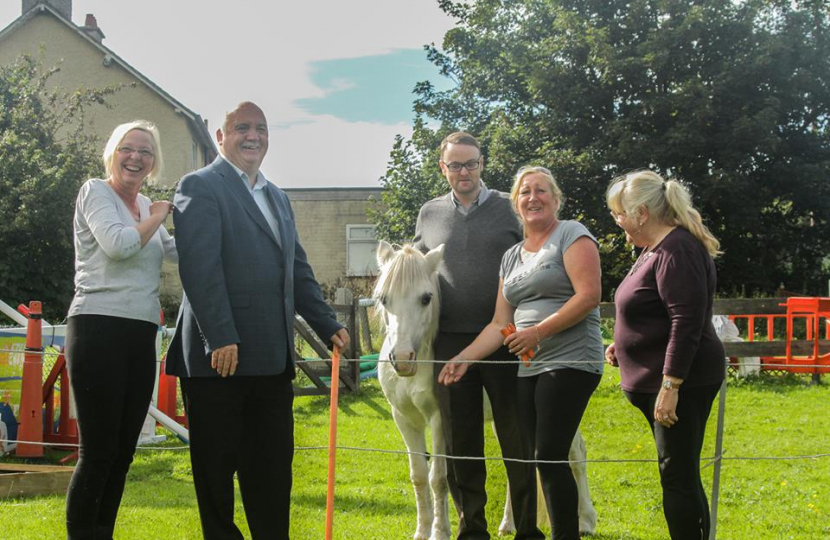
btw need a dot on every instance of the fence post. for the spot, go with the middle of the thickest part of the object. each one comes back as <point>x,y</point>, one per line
<point>713,511</point>
<point>365,330</point>
<point>31,399</point>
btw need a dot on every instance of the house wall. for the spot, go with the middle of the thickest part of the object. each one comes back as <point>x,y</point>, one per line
<point>82,65</point>
<point>322,216</point>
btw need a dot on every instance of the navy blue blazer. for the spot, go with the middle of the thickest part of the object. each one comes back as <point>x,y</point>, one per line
<point>240,285</point>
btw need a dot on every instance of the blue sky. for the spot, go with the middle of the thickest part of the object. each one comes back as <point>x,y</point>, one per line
<point>334,77</point>
<point>371,88</point>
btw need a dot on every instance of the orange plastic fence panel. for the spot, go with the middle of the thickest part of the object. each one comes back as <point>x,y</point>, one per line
<point>812,310</point>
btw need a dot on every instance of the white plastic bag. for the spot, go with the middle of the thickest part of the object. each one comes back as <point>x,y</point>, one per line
<point>728,332</point>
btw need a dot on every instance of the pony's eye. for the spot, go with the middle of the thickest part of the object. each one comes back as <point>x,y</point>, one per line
<point>383,300</point>
<point>426,298</point>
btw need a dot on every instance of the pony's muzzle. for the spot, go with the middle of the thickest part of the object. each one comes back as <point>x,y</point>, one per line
<point>406,366</point>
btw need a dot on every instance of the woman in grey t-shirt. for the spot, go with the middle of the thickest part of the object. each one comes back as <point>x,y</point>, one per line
<point>550,288</point>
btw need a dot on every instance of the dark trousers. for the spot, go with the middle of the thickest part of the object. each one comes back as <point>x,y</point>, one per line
<point>551,406</point>
<point>242,425</point>
<point>111,364</point>
<point>462,415</point>
<point>678,450</point>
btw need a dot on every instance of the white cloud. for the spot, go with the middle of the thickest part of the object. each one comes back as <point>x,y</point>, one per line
<point>330,153</point>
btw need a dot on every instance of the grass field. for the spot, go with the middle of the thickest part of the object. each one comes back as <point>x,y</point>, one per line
<point>772,416</point>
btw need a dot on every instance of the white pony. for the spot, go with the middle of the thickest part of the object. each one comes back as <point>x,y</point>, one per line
<point>407,295</point>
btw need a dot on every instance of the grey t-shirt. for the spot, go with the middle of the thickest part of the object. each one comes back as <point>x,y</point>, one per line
<point>537,288</point>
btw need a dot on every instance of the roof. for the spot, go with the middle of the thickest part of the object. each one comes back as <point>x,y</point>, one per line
<point>333,193</point>
<point>196,122</point>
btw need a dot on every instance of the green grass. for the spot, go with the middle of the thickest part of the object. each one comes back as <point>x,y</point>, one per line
<point>768,416</point>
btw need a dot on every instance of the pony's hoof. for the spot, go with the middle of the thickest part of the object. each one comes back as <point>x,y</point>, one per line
<point>506,528</point>
<point>588,527</point>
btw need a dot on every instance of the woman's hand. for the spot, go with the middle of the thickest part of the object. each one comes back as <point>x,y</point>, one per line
<point>611,356</point>
<point>665,409</point>
<point>161,207</point>
<point>523,341</point>
<point>453,370</point>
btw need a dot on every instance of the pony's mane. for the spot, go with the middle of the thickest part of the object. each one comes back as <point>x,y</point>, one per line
<point>406,270</point>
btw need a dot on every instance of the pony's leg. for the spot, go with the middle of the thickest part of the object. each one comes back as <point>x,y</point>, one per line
<point>415,441</point>
<point>587,513</point>
<point>508,524</point>
<point>438,480</point>
<point>542,517</point>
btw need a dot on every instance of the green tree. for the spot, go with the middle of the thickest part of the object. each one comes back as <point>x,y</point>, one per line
<point>730,97</point>
<point>46,153</point>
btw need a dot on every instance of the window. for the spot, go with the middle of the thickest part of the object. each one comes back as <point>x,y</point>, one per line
<point>361,246</point>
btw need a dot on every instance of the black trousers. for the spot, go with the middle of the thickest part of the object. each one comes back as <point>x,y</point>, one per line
<point>678,450</point>
<point>242,425</point>
<point>111,364</point>
<point>462,416</point>
<point>551,406</point>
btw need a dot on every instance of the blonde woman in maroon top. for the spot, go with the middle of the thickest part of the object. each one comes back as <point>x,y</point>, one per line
<point>671,361</point>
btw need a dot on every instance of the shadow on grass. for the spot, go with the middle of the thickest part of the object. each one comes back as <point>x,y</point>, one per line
<point>370,395</point>
<point>376,506</point>
<point>776,383</point>
<point>626,536</point>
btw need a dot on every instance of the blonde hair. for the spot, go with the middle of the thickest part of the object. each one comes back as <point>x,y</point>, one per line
<point>528,170</point>
<point>117,137</point>
<point>668,201</point>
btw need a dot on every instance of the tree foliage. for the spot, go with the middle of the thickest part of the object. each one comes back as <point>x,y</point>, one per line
<point>46,153</point>
<point>731,97</point>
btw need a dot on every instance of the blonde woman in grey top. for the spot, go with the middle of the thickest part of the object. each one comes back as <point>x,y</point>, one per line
<point>550,288</point>
<point>112,323</point>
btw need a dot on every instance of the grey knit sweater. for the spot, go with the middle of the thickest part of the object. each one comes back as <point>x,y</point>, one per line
<point>473,248</point>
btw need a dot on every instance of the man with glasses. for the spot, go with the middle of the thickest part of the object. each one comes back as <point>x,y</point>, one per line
<point>476,225</point>
<point>244,275</point>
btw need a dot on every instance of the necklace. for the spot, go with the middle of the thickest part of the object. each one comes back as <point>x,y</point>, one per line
<point>641,260</point>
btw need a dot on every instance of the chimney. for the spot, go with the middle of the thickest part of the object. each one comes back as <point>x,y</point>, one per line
<point>64,7</point>
<point>91,27</point>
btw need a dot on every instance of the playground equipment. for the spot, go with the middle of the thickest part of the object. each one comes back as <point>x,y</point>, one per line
<point>39,425</point>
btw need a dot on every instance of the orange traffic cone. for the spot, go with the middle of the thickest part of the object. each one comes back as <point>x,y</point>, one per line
<point>31,399</point>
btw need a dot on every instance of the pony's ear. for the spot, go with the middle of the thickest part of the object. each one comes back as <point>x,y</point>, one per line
<point>385,252</point>
<point>434,258</point>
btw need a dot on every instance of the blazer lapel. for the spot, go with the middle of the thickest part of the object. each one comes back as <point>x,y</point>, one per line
<point>281,214</point>
<point>243,196</point>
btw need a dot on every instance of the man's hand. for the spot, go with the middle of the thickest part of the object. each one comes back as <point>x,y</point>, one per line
<point>225,359</point>
<point>453,370</point>
<point>341,338</point>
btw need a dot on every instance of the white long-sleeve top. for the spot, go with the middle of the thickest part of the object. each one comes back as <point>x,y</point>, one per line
<point>114,274</point>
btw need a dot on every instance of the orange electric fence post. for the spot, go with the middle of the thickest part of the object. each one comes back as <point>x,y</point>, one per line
<point>31,399</point>
<point>335,392</point>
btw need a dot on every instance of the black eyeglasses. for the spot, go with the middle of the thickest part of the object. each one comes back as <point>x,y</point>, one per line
<point>469,165</point>
<point>129,150</point>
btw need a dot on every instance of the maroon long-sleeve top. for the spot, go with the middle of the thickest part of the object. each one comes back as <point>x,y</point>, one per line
<point>664,317</point>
